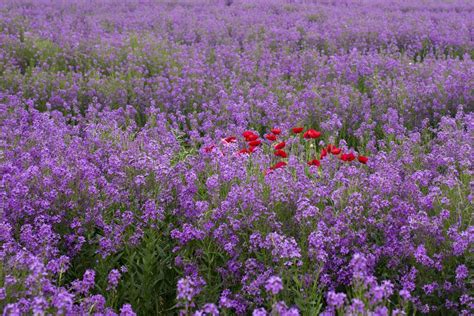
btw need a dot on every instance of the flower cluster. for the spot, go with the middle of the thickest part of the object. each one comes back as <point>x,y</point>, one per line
<point>284,147</point>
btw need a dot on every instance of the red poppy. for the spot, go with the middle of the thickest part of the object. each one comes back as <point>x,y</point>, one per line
<point>244,151</point>
<point>314,162</point>
<point>230,139</point>
<point>255,143</point>
<point>252,149</point>
<point>251,138</point>
<point>297,130</point>
<point>363,159</point>
<point>281,153</point>
<point>311,134</point>
<point>280,145</point>
<point>271,137</point>
<point>329,147</point>
<point>335,150</point>
<point>279,164</point>
<point>276,131</point>
<point>247,133</point>
<point>347,157</point>
<point>324,153</point>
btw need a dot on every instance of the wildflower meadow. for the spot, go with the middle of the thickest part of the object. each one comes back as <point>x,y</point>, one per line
<point>245,157</point>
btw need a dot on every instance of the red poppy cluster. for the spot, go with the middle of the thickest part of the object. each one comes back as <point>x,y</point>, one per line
<point>311,134</point>
<point>253,142</point>
<point>344,157</point>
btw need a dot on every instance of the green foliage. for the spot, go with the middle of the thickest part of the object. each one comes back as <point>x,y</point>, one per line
<point>149,284</point>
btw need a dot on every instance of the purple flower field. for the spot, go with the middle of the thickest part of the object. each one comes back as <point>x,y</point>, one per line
<point>239,157</point>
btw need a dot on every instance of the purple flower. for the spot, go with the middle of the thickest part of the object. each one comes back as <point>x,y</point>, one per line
<point>208,309</point>
<point>87,283</point>
<point>259,312</point>
<point>381,311</point>
<point>404,294</point>
<point>356,307</point>
<point>113,279</point>
<point>274,285</point>
<point>187,234</point>
<point>212,182</point>
<point>127,310</point>
<point>189,287</point>
<point>282,309</point>
<point>359,266</point>
<point>282,247</point>
<point>422,257</point>
<point>430,288</point>
<point>462,272</point>
<point>335,299</point>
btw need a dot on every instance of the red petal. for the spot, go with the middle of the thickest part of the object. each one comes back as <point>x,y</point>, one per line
<point>323,154</point>
<point>280,145</point>
<point>311,133</point>
<point>251,138</point>
<point>281,153</point>
<point>363,159</point>
<point>247,133</point>
<point>280,164</point>
<point>271,137</point>
<point>231,139</point>
<point>255,143</point>
<point>276,131</point>
<point>314,162</point>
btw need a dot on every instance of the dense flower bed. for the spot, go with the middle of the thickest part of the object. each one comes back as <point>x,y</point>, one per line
<point>236,157</point>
